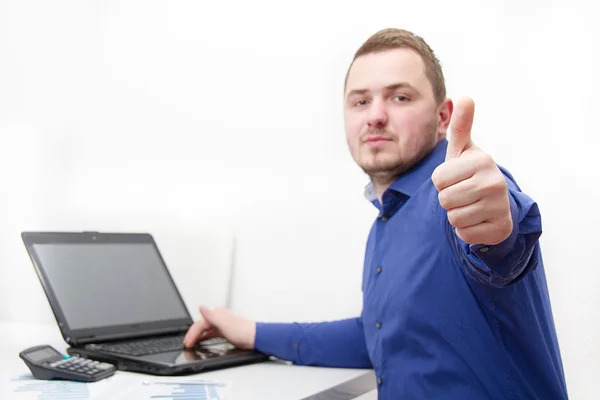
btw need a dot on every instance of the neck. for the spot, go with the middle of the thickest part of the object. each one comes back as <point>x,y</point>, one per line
<point>380,184</point>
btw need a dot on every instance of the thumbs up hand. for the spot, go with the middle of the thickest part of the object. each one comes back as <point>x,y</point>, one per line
<point>471,186</point>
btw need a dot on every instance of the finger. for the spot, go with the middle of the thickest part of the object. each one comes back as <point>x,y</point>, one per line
<point>210,333</point>
<point>204,335</point>
<point>467,216</point>
<point>451,172</point>
<point>216,318</point>
<point>209,315</point>
<point>483,233</point>
<point>461,123</point>
<point>194,334</point>
<point>460,194</point>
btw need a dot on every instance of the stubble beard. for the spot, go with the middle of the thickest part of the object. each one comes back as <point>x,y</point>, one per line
<point>384,172</point>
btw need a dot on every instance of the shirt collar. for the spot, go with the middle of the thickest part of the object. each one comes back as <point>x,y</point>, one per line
<point>409,182</point>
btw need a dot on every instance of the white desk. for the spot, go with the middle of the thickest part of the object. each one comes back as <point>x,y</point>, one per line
<point>268,380</point>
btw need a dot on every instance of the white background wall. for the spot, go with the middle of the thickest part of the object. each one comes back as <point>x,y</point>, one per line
<point>197,114</point>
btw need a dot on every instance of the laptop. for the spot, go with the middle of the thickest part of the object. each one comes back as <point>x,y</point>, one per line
<point>115,301</point>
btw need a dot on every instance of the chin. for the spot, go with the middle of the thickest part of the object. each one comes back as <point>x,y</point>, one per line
<point>382,162</point>
<point>384,170</point>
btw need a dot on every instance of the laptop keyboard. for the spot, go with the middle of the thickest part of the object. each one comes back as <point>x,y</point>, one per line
<point>149,346</point>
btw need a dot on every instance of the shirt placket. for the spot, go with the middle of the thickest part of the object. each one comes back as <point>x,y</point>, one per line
<point>391,203</point>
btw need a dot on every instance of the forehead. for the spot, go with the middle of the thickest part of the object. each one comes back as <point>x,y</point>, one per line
<point>375,71</point>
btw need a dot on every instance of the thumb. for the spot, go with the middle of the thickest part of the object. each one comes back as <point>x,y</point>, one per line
<point>209,316</point>
<point>460,128</point>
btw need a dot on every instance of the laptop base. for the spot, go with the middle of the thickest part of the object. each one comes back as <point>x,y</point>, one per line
<point>145,365</point>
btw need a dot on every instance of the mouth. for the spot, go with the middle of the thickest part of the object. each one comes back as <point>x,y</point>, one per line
<point>375,140</point>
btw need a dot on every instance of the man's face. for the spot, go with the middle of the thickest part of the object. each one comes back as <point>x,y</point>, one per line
<point>390,114</point>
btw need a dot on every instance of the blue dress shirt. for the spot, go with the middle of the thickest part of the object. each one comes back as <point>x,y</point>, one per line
<point>441,319</point>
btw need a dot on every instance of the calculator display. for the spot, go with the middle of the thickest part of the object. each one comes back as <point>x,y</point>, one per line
<point>42,355</point>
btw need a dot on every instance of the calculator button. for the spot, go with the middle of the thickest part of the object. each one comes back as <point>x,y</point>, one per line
<point>104,366</point>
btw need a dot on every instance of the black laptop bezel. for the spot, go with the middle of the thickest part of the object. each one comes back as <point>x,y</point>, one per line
<point>77,337</point>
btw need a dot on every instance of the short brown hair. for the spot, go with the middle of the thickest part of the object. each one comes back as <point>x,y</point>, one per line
<point>392,38</point>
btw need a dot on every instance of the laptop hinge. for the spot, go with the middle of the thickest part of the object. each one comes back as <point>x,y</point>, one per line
<point>122,336</point>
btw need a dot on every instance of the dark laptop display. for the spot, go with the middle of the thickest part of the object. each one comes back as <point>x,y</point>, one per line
<point>114,300</point>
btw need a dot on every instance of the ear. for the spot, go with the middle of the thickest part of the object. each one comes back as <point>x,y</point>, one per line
<point>444,112</point>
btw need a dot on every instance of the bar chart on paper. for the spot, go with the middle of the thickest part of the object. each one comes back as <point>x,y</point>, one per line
<point>45,390</point>
<point>26,387</point>
<point>181,390</point>
<point>118,387</point>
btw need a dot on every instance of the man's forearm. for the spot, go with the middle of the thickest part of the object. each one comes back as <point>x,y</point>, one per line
<point>331,344</point>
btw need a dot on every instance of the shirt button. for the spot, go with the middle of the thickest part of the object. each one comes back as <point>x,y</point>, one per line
<point>378,270</point>
<point>484,249</point>
<point>378,325</point>
<point>384,218</point>
<point>379,381</point>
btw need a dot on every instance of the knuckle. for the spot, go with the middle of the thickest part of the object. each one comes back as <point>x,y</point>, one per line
<point>484,161</point>
<point>436,178</point>
<point>487,160</point>
<point>466,235</point>
<point>444,199</point>
<point>506,226</point>
<point>498,181</point>
<point>496,238</point>
<point>440,175</point>
<point>496,185</point>
<point>454,218</point>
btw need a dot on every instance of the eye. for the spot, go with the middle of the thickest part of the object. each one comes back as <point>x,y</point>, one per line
<point>401,98</point>
<point>359,103</point>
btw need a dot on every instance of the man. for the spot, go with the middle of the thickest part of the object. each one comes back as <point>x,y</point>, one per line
<point>455,301</point>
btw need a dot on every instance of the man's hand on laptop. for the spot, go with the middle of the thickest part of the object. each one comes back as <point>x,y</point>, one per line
<point>221,322</point>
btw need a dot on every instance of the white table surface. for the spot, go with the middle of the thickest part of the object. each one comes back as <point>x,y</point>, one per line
<point>268,380</point>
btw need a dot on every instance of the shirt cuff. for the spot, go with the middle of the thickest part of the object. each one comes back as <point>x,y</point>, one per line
<point>277,339</point>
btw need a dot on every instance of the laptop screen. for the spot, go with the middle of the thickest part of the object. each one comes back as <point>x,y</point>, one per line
<point>109,284</point>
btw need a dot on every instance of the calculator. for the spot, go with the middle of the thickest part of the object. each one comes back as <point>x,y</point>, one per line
<point>47,363</point>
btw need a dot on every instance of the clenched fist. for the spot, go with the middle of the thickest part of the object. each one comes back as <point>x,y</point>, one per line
<point>471,186</point>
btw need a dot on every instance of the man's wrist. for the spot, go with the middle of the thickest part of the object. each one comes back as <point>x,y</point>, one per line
<point>251,335</point>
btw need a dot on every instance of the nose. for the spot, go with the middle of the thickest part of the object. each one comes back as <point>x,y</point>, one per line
<point>378,117</point>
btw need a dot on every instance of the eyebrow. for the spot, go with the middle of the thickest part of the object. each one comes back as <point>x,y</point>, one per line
<point>389,88</point>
